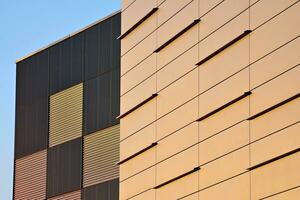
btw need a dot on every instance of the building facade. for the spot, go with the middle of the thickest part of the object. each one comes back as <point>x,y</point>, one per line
<point>67,101</point>
<point>210,100</point>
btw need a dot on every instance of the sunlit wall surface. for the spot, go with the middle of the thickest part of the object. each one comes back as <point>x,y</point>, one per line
<point>210,100</point>
<point>67,134</point>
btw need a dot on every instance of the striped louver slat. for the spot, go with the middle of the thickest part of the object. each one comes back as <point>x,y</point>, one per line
<point>76,195</point>
<point>101,153</point>
<point>30,177</point>
<point>66,115</point>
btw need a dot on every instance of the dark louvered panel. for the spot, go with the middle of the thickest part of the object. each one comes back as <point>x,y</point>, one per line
<point>66,63</point>
<point>108,190</point>
<point>64,168</point>
<point>31,131</point>
<point>101,101</point>
<point>102,49</point>
<point>68,196</point>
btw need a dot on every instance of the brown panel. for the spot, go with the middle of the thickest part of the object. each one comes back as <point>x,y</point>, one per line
<point>275,145</point>
<point>223,168</point>
<point>177,142</point>
<point>224,142</point>
<point>223,65</point>
<point>177,68</point>
<point>293,194</point>
<point>275,177</point>
<point>264,10</point>
<point>144,91</point>
<point>177,93</point>
<point>275,33</point>
<point>237,188</point>
<point>138,53</point>
<point>218,122</point>
<point>275,63</point>
<point>138,74</point>
<point>275,120</point>
<point>172,27</point>
<point>135,12</point>
<point>30,177</point>
<point>66,115</point>
<point>177,119</point>
<point>137,184</point>
<point>132,123</point>
<point>68,196</point>
<point>100,155</point>
<point>170,168</point>
<point>178,46</point>
<point>212,20</point>
<point>178,188</point>
<point>275,91</point>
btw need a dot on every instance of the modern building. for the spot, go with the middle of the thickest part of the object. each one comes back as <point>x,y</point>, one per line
<point>67,101</point>
<point>210,103</point>
<point>165,100</point>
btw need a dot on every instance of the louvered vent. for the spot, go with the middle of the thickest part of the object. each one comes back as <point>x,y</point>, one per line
<point>30,177</point>
<point>66,115</point>
<point>101,153</point>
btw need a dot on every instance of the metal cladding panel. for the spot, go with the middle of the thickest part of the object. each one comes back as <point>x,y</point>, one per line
<point>101,101</point>
<point>68,196</point>
<point>66,63</point>
<point>30,177</point>
<point>100,155</point>
<point>31,128</point>
<point>66,115</point>
<point>102,48</point>
<point>64,163</point>
<point>108,190</point>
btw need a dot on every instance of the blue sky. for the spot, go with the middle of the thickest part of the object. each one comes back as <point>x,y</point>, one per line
<point>26,26</point>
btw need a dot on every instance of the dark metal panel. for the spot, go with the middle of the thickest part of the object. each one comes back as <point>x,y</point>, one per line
<point>31,128</point>
<point>64,165</point>
<point>108,190</point>
<point>66,63</point>
<point>101,101</point>
<point>102,48</point>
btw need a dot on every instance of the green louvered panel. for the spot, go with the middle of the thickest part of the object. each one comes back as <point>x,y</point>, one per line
<point>101,153</point>
<point>66,115</point>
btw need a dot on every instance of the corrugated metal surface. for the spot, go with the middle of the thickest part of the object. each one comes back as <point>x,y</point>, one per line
<point>108,190</point>
<point>100,155</point>
<point>64,168</point>
<point>68,196</point>
<point>31,129</point>
<point>30,177</point>
<point>101,101</point>
<point>66,115</point>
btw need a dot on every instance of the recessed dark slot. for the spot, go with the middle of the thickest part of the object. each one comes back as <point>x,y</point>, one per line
<point>178,177</point>
<point>137,106</point>
<point>138,153</point>
<point>177,35</point>
<point>273,159</point>
<point>224,47</point>
<point>224,106</point>
<point>275,106</point>
<point>137,24</point>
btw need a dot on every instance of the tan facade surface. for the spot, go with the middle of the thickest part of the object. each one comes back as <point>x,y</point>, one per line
<point>210,100</point>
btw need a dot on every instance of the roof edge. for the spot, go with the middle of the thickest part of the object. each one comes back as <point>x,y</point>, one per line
<point>68,36</point>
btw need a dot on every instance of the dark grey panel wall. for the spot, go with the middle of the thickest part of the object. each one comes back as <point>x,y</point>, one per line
<point>102,49</point>
<point>64,165</point>
<point>66,63</point>
<point>108,190</point>
<point>31,126</point>
<point>101,101</point>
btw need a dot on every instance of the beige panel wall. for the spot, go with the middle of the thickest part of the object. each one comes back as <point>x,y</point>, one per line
<point>240,155</point>
<point>100,156</point>
<point>65,119</point>
<point>30,177</point>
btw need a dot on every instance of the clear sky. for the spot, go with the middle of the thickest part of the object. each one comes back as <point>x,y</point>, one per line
<point>25,26</point>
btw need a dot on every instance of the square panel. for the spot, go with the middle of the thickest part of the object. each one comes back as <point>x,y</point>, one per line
<point>108,190</point>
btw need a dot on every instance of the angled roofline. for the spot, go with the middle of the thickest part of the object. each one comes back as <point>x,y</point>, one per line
<point>68,36</point>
